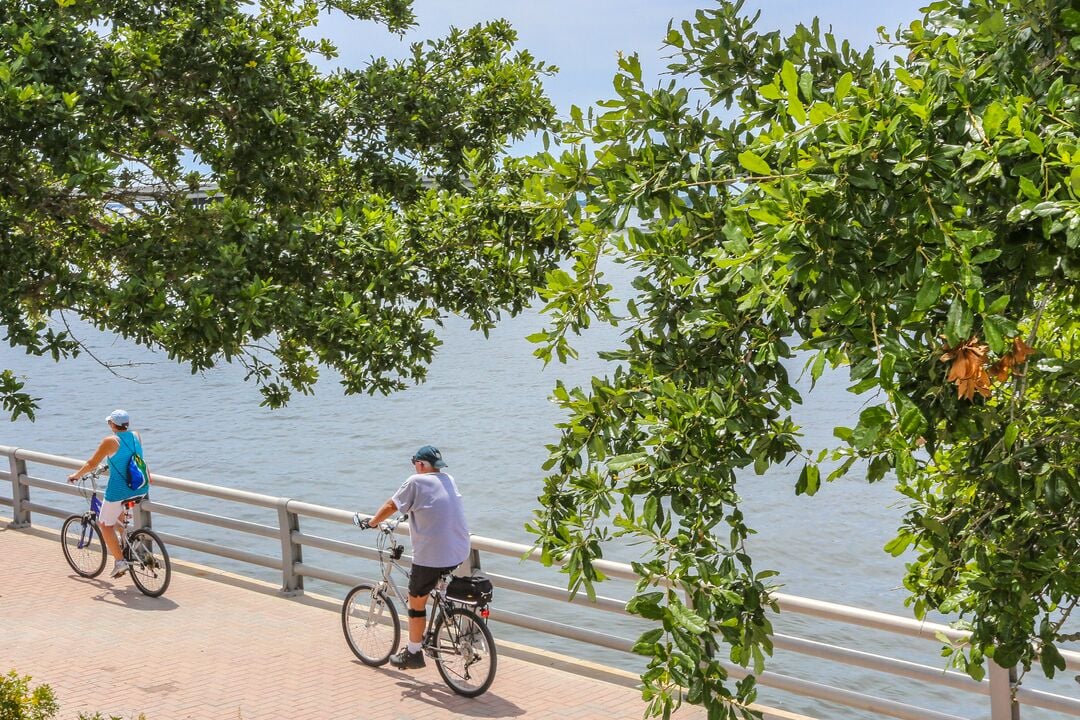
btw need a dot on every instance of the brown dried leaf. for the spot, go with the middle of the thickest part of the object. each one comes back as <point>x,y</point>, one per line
<point>1017,355</point>
<point>1021,351</point>
<point>967,368</point>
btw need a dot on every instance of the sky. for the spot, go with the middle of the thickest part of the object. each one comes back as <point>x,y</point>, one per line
<point>583,37</point>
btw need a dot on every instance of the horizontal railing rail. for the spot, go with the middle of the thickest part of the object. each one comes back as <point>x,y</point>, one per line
<point>1006,697</point>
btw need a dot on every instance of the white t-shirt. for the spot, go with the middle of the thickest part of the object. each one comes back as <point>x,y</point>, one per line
<point>440,535</point>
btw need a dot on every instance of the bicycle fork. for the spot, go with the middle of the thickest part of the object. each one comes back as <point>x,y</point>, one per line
<point>86,532</point>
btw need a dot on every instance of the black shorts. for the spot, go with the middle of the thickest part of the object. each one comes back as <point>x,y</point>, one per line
<point>424,579</point>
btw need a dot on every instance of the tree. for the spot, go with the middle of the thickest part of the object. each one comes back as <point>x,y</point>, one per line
<point>916,221</point>
<point>348,210</point>
<point>19,702</point>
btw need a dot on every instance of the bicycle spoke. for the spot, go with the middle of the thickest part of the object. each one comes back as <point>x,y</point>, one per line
<point>82,545</point>
<point>149,562</point>
<point>371,625</point>
<point>464,652</point>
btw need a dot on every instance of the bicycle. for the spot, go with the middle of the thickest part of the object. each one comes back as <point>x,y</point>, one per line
<point>457,636</point>
<point>85,551</point>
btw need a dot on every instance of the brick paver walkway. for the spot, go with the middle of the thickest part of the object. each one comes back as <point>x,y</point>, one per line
<point>223,646</point>
<point>218,646</point>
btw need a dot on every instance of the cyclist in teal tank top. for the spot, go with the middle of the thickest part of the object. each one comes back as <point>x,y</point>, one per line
<point>118,449</point>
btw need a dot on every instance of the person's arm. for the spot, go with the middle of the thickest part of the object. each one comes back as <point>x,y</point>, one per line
<point>107,447</point>
<point>388,508</point>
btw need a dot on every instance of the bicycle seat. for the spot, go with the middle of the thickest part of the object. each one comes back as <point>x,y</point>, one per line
<point>132,502</point>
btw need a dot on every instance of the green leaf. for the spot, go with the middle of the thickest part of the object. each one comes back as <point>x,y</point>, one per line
<point>770,92</point>
<point>647,605</point>
<point>1027,187</point>
<point>754,163</point>
<point>1051,660</point>
<point>843,86</point>
<point>958,322</point>
<point>912,420</point>
<point>935,527</point>
<point>928,294</point>
<point>790,79</point>
<point>809,480</point>
<point>993,117</point>
<point>818,367</point>
<point>796,110</point>
<point>899,544</point>
<point>820,112</point>
<point>621,462</point>
<point>992,332</point>
<point>1047,209</point>
<point>1034,142</point>
<point>687,618</point>
<point>986,256</point>
<point>645,644</point>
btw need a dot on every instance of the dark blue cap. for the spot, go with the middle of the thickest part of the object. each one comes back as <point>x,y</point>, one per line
<point>429,454</point>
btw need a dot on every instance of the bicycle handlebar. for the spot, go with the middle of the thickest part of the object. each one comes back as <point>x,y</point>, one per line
<point>387,526</point>
<point>391,524</point>
<point>91,476</point>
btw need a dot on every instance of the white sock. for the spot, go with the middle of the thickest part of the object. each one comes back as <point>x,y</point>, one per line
<point>413,647</point>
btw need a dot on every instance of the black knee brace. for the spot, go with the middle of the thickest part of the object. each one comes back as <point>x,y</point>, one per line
<point>417,613</point>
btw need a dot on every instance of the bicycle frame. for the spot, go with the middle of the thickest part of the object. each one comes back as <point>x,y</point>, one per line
<point>389,557</point>
<point>91,516</point>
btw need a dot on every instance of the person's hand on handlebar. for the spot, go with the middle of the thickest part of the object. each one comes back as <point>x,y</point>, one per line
<point>91,473</point>
<point>361,522</point>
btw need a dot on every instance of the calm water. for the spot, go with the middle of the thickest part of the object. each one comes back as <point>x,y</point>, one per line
<point>486,406</point>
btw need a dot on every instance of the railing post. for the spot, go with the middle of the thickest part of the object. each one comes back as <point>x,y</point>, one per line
<point>292,583</point>
<point>474,561</point>
<point>1003,705</point>
<point>142,516</point>
<point>20,494</point>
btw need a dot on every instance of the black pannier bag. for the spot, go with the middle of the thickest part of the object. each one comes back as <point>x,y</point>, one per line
<point>471,589</point>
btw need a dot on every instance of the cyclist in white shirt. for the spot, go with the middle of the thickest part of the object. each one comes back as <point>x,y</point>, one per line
<point>440,538</point>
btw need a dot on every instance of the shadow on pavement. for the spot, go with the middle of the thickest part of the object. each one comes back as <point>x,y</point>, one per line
<point>129,596</point>
<point>488,705</point>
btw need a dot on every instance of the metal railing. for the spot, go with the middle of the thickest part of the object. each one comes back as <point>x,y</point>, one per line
<point>1005,697</point>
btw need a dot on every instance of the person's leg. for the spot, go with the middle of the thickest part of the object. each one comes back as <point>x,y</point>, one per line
<point>417,623</point>
<point>112,541</point>
<point>421,582</point>
<point>107,519</point>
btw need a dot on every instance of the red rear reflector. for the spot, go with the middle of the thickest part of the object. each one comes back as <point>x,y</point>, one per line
<point>485,613</point>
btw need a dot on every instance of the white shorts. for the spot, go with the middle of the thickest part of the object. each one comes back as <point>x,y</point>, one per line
<point>110,511</point>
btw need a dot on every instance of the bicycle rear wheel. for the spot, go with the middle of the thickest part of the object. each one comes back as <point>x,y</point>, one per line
<point>150,570</point>
<point>83,546</point>
<point>464,652</point>
<point>371,624</point>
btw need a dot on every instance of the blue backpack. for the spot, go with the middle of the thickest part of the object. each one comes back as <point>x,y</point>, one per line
<point>137,475</point>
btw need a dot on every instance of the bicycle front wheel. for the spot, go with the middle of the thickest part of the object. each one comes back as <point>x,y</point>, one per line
<point>150,570</point>
<point>83,546</point>
<point>371,624</point>
<point>464,652</point>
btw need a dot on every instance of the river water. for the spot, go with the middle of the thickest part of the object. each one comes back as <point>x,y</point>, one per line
<point>486,406</point>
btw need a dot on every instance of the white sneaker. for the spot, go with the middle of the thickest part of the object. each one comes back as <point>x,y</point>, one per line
<point>120,568</point>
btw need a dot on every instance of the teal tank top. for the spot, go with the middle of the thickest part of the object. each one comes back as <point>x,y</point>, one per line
<point>117,488</point>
